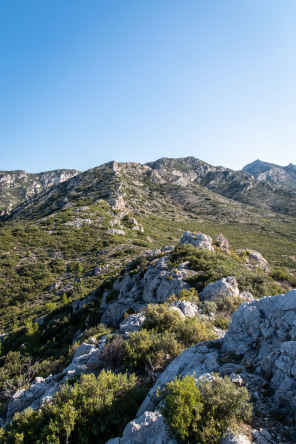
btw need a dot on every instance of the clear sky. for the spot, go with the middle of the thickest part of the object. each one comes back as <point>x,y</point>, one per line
<point>83,82</point>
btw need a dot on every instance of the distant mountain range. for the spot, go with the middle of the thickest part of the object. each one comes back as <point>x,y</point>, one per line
<point>275,174</point>
<point>187,181</point>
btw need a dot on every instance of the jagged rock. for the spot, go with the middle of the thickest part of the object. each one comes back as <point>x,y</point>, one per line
<point>117,202</point>
<point>199,360</point>
<point>68,289</point>
<point>167,248</point>
<point>149,428</point>
<point>236,379</point>
<point>78,222</point>
<point>264,332</point>
<point>86,358</point>
<point>40,390</point>
<point>133,322</point>
<point>225,287</point>
<point>222,242</point>
<point>246,296</point>
<point>99,270</point>
<point>79,303</point>
<point>173,307</point>
<point>233,438</point>
<point>255,260</point>
<point>197,240</point>
<point>115,231</point>
<point>135,292</point>
<point>262,437</point>
<point>136,225</point>
<point>187,308</point>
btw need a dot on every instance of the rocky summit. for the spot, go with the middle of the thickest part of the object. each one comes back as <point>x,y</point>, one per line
<point>148,304</point>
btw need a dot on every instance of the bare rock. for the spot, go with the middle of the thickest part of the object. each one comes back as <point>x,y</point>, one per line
<point>233,438</point>
<point>133,322</point>
<point>149,428</point>
<point>225,287</point>
<point>199,240</point>
<point>222,243</point>
<point>116,231</point>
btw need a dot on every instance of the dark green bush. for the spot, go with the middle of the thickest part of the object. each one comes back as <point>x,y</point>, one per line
<point>94,409</point>
<point>150,351</point>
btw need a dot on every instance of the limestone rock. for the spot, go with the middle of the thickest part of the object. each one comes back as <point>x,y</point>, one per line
<point>133,322</point>
<point>222,242</point>
<point>199,360</point>
<point>246,296</point>
<point>149,428</point>
<point>264,332</point>
<point>39,391</point>
<point>197,240</point>
<point>187,308</point>
<point>226,286</point>
<point>115,231</point>
<point>232,438</point>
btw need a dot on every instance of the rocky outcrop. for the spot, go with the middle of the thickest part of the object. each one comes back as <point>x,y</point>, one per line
<point>264,333</point>
<point>17,186</point>
<point>116,231</point>
<point>156,285</point>
<point>254,259</point>
<point>41,390</point>
<point>133,322</point>
<point>149,428</point>
<point>222,243</point>
<point>225,287</point>
<point>199,240</point>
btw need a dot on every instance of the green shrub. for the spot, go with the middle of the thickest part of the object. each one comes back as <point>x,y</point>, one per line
<point>160,318</point>
<point>94,409</point>
<point>202,414</point>
<point>193,330</point>
<point>150,351</point>
<point>222,321</point>
<point>188,331</point>
<point>209,307</point>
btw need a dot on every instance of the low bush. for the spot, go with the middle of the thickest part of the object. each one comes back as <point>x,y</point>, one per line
<point>150,351</point>
<point>94,409</point>
<point>201,414</point>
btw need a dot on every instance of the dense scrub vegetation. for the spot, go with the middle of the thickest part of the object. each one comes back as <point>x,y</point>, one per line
<point>93,409</point>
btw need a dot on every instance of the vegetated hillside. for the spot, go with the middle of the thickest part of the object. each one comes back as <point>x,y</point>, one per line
<point>285,177</point>
<point>17,186</point>
<point>138,321</point>
<point>73,241</point>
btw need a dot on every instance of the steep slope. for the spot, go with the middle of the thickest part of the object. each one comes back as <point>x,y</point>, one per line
<point>284,177</point>
<point>17,186</point>
<point>237,185</point>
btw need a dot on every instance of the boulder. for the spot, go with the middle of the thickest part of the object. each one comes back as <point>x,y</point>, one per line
<point>264,332</point>
<point>222,243</point>
<point>233,438</point>
<point>199,240</point>
<point>149,428</point>
<point>198,360</point>
<point>225,287</point>
<point>115,231</point>
<point>187,308</point>
<point>133,322</point>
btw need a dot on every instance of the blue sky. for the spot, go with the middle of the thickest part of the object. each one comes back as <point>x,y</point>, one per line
<point>85,82</point>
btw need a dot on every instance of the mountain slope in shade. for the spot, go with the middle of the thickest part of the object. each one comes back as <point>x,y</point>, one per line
<point>284,177</point>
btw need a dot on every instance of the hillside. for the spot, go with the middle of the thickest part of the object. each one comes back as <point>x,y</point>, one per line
<point>81,260</point>
<point>17,186</point>
<point>284,177</point>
